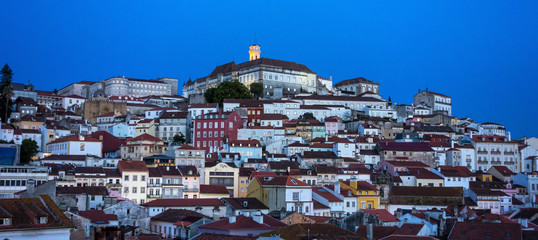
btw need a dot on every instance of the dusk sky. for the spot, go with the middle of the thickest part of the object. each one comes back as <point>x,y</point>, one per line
<point>484,54</point>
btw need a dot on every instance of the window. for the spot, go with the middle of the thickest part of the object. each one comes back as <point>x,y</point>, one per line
<point>126,190</point>
<point>143,178</point>
<point>135,178</point>
<point>134,189</point>
<point>296,196</point>
<point>126,178</point>
<point>142,190</point>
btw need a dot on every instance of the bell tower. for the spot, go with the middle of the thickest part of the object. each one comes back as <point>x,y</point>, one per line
<point>254,52</point>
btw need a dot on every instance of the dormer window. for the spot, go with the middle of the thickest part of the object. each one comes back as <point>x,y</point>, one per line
<point>42,220</point>
<point>5,221</point>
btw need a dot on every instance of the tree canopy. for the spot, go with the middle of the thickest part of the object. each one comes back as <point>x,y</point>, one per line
<point>256,89</point>
<point>307,115</point>
<point>179,138</point>
<point>230,90</point>
<point>28,150</point>
<point>6,91</point>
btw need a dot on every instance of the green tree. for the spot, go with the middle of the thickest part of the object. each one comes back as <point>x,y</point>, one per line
<point>6,90</point>
<point>256,89</point>
<point>227,90</point>
<point>179,138</point>
<point>307,115</point>
<point>28,150</point>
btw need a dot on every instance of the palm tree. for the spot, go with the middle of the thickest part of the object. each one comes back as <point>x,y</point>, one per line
<point>6,90</point>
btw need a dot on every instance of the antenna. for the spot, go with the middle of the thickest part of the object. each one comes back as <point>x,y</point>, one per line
<point>255,39</point>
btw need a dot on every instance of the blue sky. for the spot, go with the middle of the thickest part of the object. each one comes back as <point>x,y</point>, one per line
<point>482,53</point>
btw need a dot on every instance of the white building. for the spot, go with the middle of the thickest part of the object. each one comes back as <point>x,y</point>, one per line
<point>121,86</point>
<point>496,151</point>
<point>134,176</point>
<point>436,101</point>
<point>76,145</point>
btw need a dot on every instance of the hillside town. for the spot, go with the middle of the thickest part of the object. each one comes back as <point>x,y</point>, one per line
<point>297,156</point>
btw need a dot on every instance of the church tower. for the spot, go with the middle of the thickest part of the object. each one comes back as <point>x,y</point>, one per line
<point>254,52</point>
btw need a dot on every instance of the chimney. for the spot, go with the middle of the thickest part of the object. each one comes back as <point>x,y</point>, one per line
<point>215,215</point>
<point>202,114</point>
<point>258,217</point>
<point>405,220</point>
<point>231,219</point>
<point>30,187</point>
<point>337,187</point>
<point>427,216</point>
<point>370,231</point>
<point>451,143</point>
<point>220,112</point>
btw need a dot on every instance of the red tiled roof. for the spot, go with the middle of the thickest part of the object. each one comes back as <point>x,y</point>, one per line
<point>318,205</point>
<point>24,211</point>
<point>280,181</point>
<point>381,214</point>
<point>111,143</point>
<point>183,202</point>
<point>188,147</point>
<point>245,203</point>
<point>490,138</point>
<point>325,194</point>
<point>145,137</point>
<point>244,223</point>
<point>456,171</point>
<point>409,229</point>
<point>319,154</point>
<point>135,166</point>
<point>75,138</point>
<point>485,230</point>
<point>98,216</point>
<point>273,117</point>
<point>405,146</point>
<point>504,171</point>
<point>321,145</point>
<point>407,163</point>
<point>213,189</point>
<point>420,173</point>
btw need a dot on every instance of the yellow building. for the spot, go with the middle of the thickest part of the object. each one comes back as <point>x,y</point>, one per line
<point>367,194</point>
<point>223,174</point>
<point>484,177</point>
<point>242,183</point>
<point>145,126</point>
<point>29,122</point>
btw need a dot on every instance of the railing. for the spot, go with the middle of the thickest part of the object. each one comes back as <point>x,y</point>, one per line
<point>154,184</point>
<point>509,153</point>
<point>482,162</point>
<point>495,162</point>
<point>482,152</point>
<point>154,196</point>
<point>509,163</point>
<point>190,190</point>
<point>496,152</point>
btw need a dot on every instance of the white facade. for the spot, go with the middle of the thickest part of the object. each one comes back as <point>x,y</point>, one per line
<point>79,147</point>
<point>134,185</point>
<point>300,200</point>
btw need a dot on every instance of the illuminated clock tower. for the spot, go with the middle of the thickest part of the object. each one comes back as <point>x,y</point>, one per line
<point>254,52</point>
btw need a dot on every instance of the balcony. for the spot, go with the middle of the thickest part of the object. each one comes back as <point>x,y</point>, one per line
<point>496,162</point>
<point>154,196</point>
<point>482,152</point>
<point>482,162</point>
<point>154,184</point>
<point>509,163</point>
<point>495,152</point>
<point>191,190</point>
<point>509,153</point>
